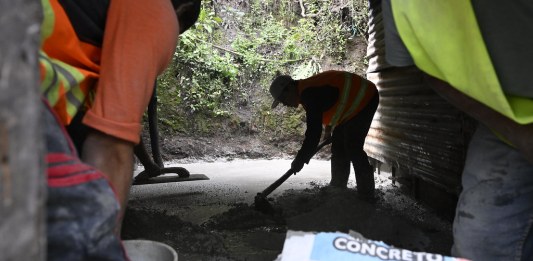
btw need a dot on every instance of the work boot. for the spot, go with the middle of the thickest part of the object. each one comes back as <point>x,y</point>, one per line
<point>364,176</point>
<point>340,172</point>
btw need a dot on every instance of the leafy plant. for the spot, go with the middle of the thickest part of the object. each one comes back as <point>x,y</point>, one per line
<point>229,58</point>
<point>204,75</point>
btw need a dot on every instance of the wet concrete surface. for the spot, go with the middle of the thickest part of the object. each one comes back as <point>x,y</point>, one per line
<point>214,219</point>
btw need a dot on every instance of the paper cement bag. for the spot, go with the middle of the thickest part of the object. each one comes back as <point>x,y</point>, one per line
<point>322,246</point>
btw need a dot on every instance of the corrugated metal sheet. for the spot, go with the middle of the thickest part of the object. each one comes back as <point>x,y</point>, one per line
<point>414,129</point>
<point>376,39</point>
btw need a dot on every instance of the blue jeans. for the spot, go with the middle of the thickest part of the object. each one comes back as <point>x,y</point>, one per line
<point>494,214</point>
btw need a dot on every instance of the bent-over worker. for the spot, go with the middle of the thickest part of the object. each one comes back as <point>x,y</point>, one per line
<point>102,58</point>
<point>344,103</point>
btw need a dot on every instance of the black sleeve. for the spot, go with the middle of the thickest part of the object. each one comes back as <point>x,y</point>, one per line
<point>88,18</point>
<point>312,134</point>
<point>315,101</point>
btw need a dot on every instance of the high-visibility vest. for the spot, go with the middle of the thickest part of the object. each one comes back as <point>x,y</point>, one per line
<point>445,41</point>
<point>354,94</point>
<point>69,68</point>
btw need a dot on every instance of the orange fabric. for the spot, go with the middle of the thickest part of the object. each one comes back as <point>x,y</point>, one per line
<point>64,45</point>
<point>336,79</point>
<point>139,41</point>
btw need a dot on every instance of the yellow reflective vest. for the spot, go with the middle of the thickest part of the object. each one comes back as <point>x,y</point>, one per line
<point>354,94</point>
<point>444,39</point>
<point>69,68</point>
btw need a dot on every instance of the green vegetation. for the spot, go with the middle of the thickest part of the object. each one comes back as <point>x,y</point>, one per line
<point>223,66</point>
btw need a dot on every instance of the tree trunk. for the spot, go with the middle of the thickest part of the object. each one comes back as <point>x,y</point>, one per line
<point>22,182</point>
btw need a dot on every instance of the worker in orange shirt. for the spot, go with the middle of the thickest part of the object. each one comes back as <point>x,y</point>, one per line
<point>100,59</point>
<point>344,104</point>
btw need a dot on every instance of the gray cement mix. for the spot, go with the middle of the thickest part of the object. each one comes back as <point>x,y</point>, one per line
<point>214,219</point>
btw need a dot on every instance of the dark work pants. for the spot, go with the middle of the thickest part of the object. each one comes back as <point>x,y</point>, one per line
<point>348,140</point>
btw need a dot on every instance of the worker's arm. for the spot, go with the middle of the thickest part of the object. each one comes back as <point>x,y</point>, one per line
<point>139,40</point>
<point>315,101</point>
<point>312,138</point>
<point>521,136</point>
<point>112,156</point>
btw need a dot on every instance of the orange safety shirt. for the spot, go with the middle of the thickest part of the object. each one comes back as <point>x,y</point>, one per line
<point>354,93</point>
<point>113,80</point>
<point>330,98</point>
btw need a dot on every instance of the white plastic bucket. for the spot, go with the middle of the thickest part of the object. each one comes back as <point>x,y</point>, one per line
<point>146,250</point>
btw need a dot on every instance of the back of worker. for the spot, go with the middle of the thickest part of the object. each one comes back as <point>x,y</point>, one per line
<point>351,94</point>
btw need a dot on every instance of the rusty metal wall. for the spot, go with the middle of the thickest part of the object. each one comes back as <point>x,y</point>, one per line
<point>414,129</point>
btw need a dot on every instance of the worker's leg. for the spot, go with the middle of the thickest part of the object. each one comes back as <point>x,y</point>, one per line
<point>355,133</point>
<point>340,162</point>
<point>81,207</point>
<point>494,215</point>
<point>364,175</point>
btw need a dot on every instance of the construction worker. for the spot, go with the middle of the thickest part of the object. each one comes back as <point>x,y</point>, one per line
<point>344,103</point>
<point>477,55</point>
<point>101,57</point>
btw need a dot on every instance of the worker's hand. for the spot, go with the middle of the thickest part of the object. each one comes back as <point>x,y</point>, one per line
<point>297,165</point>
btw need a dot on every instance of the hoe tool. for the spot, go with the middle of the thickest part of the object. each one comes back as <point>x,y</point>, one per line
<point>261,202</point>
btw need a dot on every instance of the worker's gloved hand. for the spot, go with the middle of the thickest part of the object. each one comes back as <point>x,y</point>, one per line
<point>297,165</point>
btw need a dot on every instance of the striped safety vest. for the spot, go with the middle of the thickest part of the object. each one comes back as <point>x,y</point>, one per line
<point>69,67</point>
<point>354,94</point>
<point>445,41</point>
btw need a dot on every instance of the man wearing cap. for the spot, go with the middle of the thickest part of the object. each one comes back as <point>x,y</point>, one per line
<point>342,102</point>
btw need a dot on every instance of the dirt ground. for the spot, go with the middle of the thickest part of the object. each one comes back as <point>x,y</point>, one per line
<point>236,231</point>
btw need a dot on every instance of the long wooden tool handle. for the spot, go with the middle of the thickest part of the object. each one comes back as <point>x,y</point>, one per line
<point>277,183</point>
<point>289,172</point>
